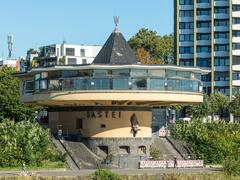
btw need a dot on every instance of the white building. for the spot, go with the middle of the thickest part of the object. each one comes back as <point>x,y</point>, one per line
<point>10,63</point>
<point>67,54</point>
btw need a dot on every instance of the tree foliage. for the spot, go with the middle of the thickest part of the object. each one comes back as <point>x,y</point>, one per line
<point>234,107</point>
<point>10,104</point>
<point>25,142</point>
<point>213,142</point>
<point>218,102</point>
<point>199,110</point>
<point>145,57</point>
<point>157,49</point>
<point>213,104</point>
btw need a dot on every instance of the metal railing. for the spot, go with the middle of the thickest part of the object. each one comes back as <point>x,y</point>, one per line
<point>119,83</point>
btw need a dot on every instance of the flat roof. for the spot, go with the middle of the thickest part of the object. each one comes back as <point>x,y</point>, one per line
<point>135,66</point>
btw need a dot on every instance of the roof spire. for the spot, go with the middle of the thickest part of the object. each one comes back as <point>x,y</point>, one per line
<point>116,20</point>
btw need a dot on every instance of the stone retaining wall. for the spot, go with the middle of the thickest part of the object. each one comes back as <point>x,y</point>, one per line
<point>114,144</point>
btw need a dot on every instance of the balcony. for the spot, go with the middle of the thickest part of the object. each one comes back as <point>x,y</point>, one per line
<point>91,84</point>
<point>120,83</point>
<point>236,14</point>
<point>236,27</point>
<point>236,52</point>
<point>221,68</point>
<point>186,31</point>
<point>221,3</point>
<point>221,28</point>
<point>203,17</point>
<point>236,40</point>
<point>236,82</point>
<point>221,53</point>
<point>221,83</point>
<point>221,41</point>
<point>186,19</point>
<point>221,16</point>
<point>204,30</point>
<point>186,56</point>
<point>236,67</point>
<point>204,42</point>
<point>186,43</point>
<point>92,91</point>
<point>186,7</point>
<point>203,5</point>
<point>204,54</point>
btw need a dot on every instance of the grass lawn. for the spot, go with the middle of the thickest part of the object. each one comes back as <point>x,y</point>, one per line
<point>46,165</point>
<point>182,176</point>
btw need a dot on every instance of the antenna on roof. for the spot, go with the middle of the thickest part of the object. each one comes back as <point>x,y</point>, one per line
<point>10,44</point>
<point>116,21</point>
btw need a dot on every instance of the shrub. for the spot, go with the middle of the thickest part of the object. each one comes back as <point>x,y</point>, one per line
<point>154,153</point>
<point>212,141</point>
<point>109,158</point>
<point>232,166</point>
<point>105,174</point>
<point>25,142</point>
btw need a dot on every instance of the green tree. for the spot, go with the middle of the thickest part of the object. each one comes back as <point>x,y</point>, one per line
<point>217,103</point>
<point>10,104</point>
<point>211,105</point>
<point>160,48</point>
<point>212,141</point>
<point>25,142</point>
<point>199,111</point>
<point>234,106</point>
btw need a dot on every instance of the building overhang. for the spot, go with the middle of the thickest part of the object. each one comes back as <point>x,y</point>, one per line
<point>120,98</point>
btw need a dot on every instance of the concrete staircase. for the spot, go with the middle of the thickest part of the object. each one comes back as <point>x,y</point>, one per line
<point>71,163</point>
<point>83,157</point>
<point>167,150</point>
<point>182,148</point>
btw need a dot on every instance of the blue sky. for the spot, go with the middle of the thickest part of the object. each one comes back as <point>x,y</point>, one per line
<point>35,23</point>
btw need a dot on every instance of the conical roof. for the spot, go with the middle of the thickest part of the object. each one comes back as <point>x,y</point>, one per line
<point>116,50</point>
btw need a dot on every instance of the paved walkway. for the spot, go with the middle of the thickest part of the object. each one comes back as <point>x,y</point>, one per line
<point>86,172</point>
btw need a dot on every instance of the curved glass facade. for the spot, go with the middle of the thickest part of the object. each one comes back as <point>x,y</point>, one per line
<point>114,79</point>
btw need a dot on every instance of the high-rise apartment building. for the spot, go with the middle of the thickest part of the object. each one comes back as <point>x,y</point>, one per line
<point>207,34</point>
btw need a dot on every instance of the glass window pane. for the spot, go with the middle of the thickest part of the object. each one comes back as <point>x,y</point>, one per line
<point>174,85</point>
<point>156,73</point>
<point>37,76</point>
<point>70,73</point>
<point>100,72</point>
<point>54,85</point>
<point>120,72</point>
<point>157,84</point>
<point>37,85</point>
<point>183,74</point>
<point>82,84</point>
<point>28,86</point>
<point>171,73</point>
<point>44,75</point>
<point>43,84</point>
<point>140,84</point>
<point>138,72</point>
<point>68,84</point>
<point>101,84</point>
<point>84,73</point>
<point>120,84</point>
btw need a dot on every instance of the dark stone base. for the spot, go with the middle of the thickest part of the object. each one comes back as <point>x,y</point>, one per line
<point>120,146</point>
